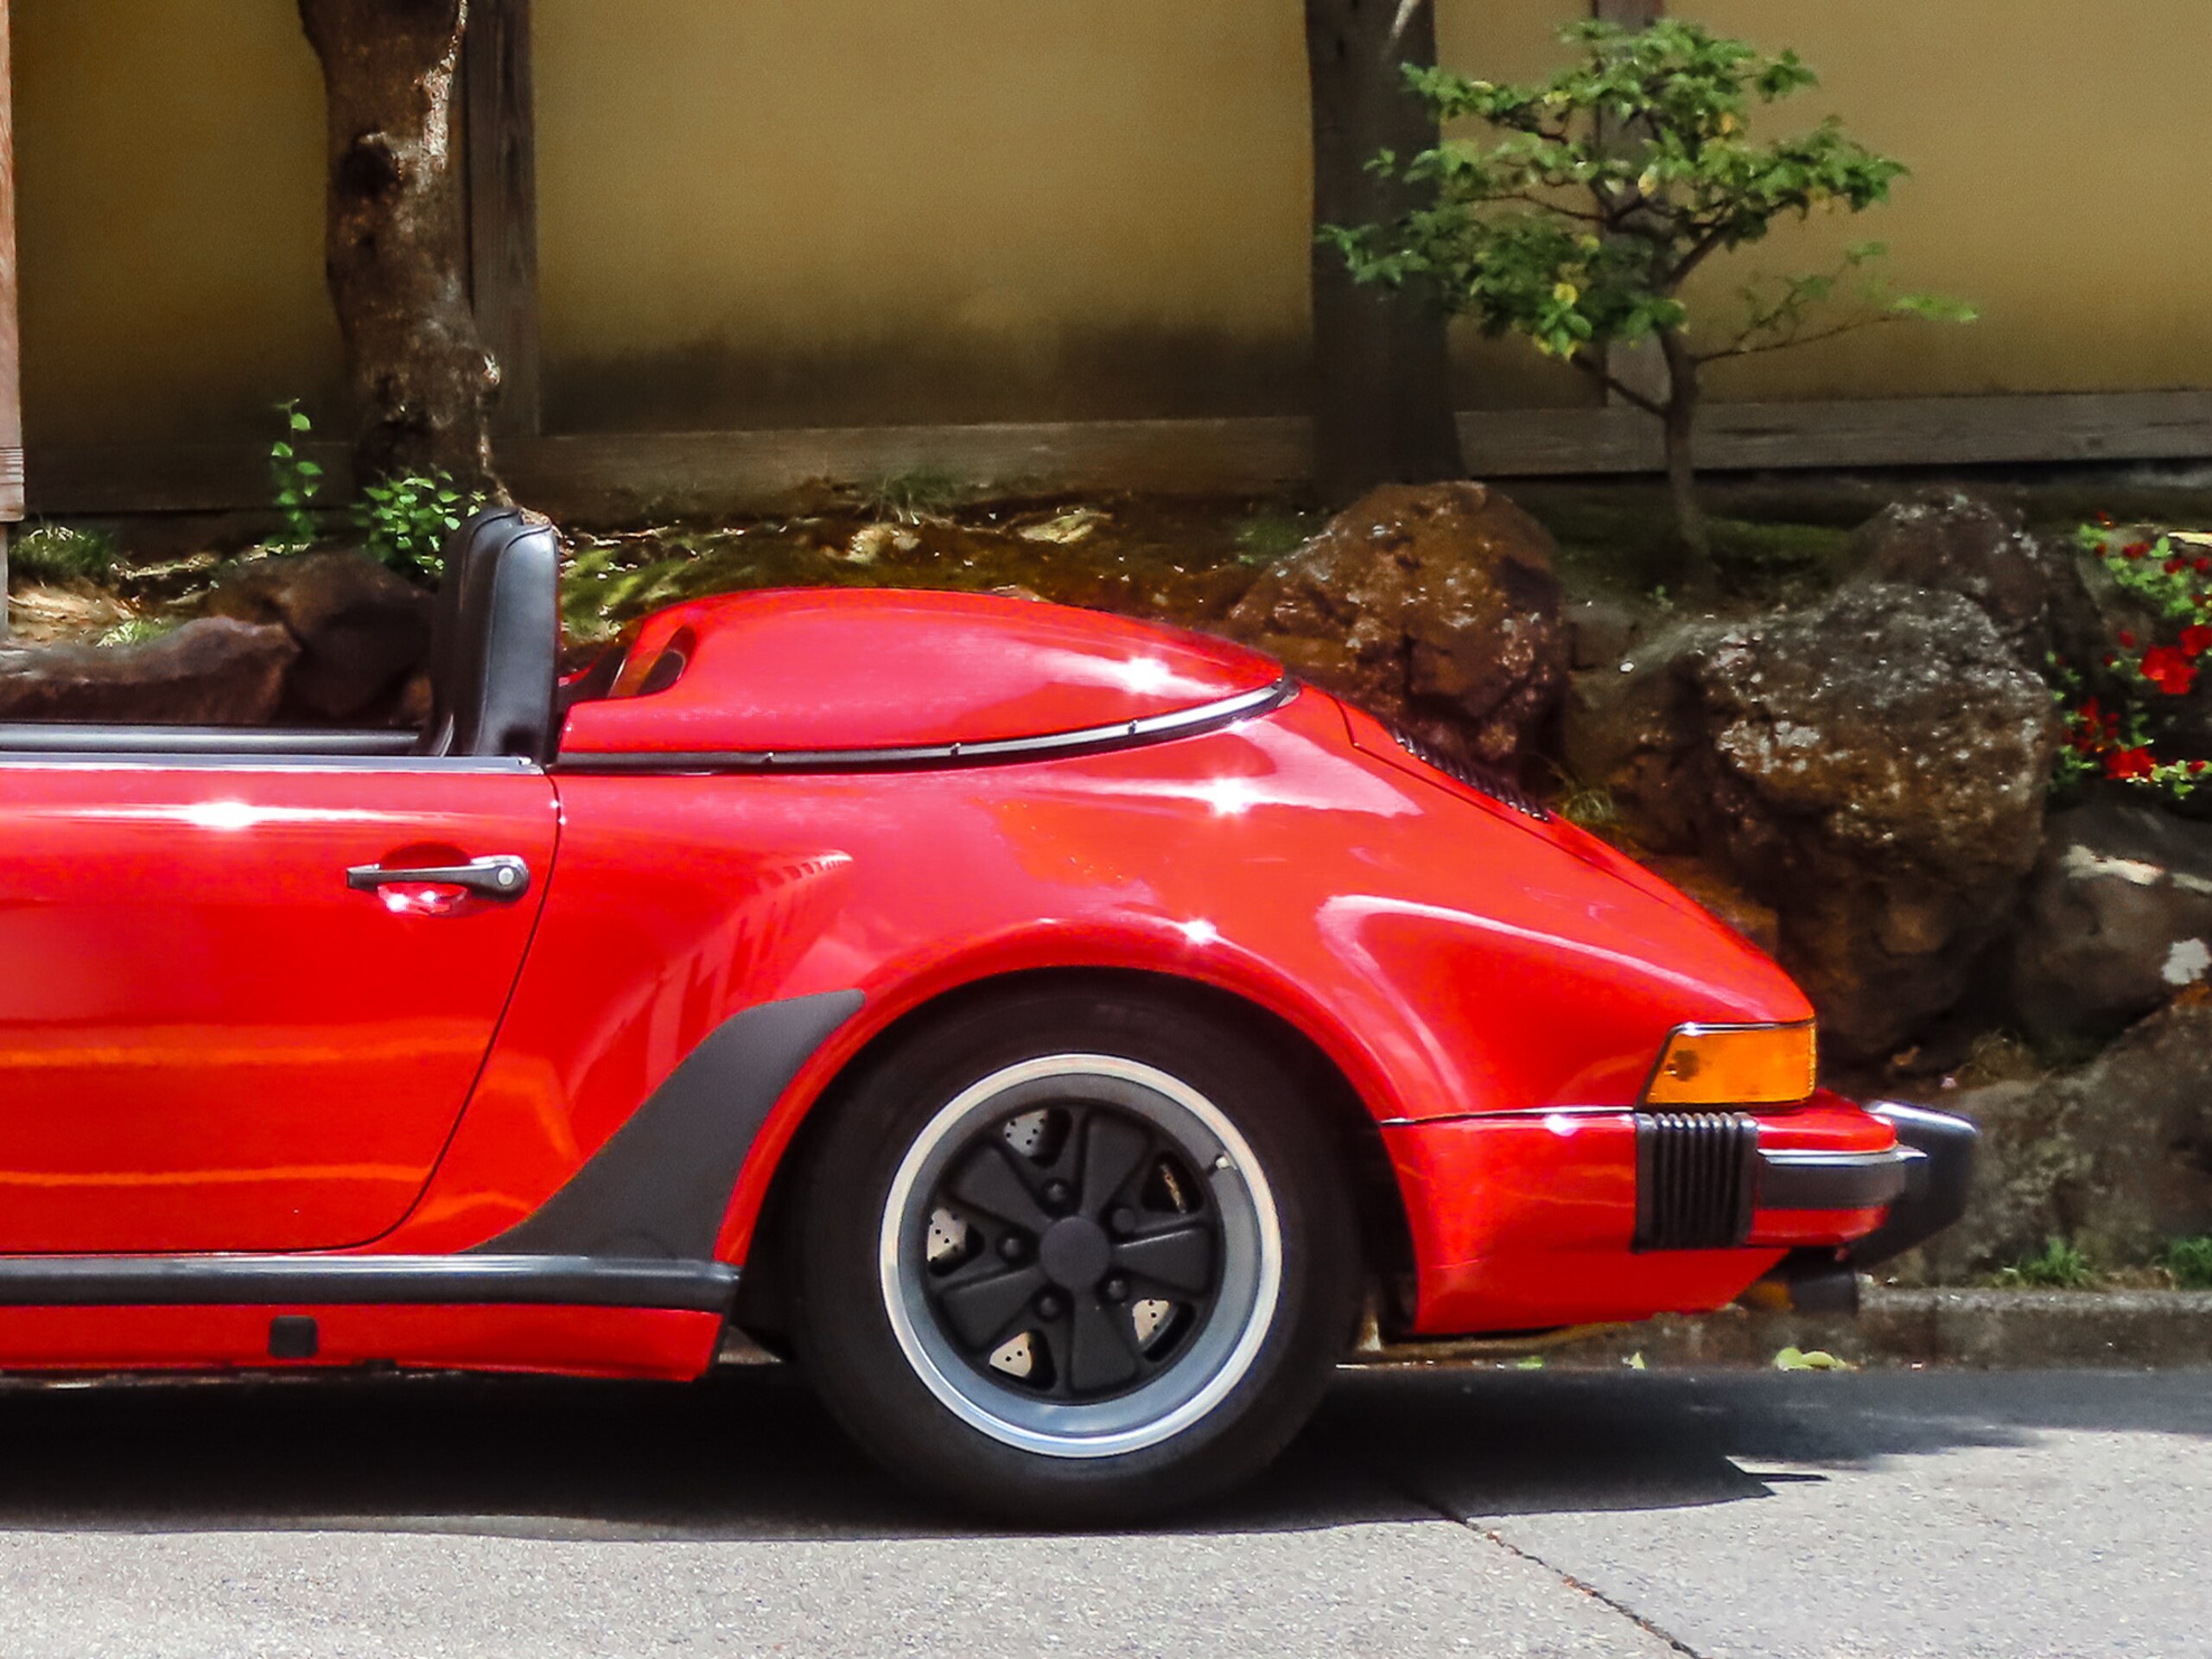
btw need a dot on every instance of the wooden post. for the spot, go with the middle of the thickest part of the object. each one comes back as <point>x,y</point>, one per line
<point>500,128</point>
<point>11,396</point>
<point>1640,367</point>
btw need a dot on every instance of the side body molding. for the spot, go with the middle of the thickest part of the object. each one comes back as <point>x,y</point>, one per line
<point>659,1187</point>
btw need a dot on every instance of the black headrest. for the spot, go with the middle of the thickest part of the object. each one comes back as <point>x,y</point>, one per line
<point>508,665</point>
<point>447,628</point>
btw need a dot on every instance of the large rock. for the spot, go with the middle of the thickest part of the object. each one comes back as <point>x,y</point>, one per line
<point>1874,768</point>
<point>1947,541</point>
<point>211,672</point>
<point>363,632</point>
<point>1432,605</point>
<point>2117,920</point>
<point>2116,1157</point>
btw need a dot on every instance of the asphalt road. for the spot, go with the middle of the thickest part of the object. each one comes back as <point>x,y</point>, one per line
<point>1491,1513</point>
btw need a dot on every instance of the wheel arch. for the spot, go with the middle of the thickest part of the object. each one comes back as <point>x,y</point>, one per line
<point>1385,1237</point>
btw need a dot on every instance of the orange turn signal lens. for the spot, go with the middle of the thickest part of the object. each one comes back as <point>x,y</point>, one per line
<point>1734,1066</point>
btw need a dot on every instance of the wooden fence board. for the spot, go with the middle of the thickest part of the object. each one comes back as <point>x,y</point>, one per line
<point>674,472</point>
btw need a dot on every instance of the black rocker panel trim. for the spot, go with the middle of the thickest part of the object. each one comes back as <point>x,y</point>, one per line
<point>661,1183</point>
<point>1090,740</point>
<point>396,1280</point>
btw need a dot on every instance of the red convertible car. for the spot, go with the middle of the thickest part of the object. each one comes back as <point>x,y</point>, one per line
<point>1059,1034</point>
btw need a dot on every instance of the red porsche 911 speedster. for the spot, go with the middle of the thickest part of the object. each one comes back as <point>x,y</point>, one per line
<point>1061,1035</point>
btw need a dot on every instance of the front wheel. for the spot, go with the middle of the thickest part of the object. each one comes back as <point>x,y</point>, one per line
<point>1075,1258</point>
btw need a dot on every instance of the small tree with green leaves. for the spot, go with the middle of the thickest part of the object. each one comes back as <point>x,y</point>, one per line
<point>1603,190</point>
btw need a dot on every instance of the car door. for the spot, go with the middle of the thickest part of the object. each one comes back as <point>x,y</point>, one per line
<point>243,1001</point>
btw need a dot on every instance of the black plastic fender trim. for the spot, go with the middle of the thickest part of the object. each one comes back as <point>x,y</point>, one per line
<point>661,1184</point>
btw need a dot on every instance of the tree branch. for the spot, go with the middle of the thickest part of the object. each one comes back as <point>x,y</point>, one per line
<point>1594,368</point>
<point>1737,348</point>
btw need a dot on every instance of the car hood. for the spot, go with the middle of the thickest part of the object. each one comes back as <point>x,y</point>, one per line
<point>837,671</point>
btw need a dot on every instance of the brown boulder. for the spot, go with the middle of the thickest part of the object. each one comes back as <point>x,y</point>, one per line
<point>2116,1157</point>
<point>211,672</point>
<point>1432,606</point>
<point>363,632</point>
<point>1719,898</point>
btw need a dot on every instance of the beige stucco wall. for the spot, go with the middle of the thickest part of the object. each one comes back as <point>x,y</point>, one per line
<point>904,210</point>
<point>2057,147</point>
<point>170,170</point>
<point>783,212</point>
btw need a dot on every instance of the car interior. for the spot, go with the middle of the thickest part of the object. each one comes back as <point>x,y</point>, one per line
<point>495,669</point>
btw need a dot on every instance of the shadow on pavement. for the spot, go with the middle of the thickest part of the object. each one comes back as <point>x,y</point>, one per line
<point>749,1454</point>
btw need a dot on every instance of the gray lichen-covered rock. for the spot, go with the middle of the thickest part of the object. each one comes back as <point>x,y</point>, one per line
<point>1947,541</point>
<point>211,672</point>
<point>1874,768</point>
<point>2117,919</point>
<point>1434,606</point>
<point>2116,1157</point>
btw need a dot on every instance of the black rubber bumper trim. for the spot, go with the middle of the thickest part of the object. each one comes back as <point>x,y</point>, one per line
<point>1093,739</point>
<point>1942,1178</point>
<point>1836,1180</point>
<point>394,1281</point>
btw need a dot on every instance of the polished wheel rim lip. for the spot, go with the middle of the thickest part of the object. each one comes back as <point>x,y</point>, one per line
<point>1189,1386</point>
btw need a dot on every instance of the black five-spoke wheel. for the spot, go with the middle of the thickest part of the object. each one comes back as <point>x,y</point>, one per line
<point>1074,1257</point>
<point>1070,1249</point>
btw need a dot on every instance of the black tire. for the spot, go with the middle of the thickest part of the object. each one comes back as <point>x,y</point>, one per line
<point>1086,1433</point>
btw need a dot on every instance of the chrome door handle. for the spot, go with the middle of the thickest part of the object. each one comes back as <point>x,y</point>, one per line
<point>502,876</point>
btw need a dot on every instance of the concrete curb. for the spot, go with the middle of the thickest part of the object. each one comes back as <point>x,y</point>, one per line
<point>1980,1330</point>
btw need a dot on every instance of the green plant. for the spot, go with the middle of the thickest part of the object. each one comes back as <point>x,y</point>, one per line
<point>2118,728</point>
<point>137,630</point>
<point>59,553</point>
<point>1266,538</point>
<point>2058,1266</point>
<point>297,481</point>
<point>919,493</point>
<point>1605,189</point>
<point>2189,1261</point>
<point>406,520</point>
<point>1587,806</point>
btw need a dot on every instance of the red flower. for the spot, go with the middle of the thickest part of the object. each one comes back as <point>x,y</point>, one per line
<point>2204,565</point>
<point>2111,661</point>
<point>2196,638</point>
<point>2195,767</point>
<point>2127,641</point>
<point>2168,670</point>
<point>2135,550</point>
<point>2176,566</point>
<point>2127,764</point>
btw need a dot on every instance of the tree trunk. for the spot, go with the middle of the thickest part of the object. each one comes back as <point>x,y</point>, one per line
<point>1383,398</point>
<point>396,249</point>
<point>1699,575</point>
